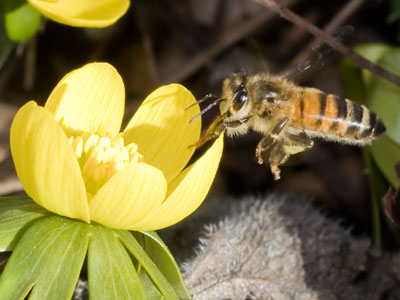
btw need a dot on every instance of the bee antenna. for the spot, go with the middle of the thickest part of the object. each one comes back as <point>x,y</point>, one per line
<point>202,112</point>
<point>205,98</point>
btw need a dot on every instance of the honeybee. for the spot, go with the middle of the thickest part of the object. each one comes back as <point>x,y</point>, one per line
<point>288,116</point>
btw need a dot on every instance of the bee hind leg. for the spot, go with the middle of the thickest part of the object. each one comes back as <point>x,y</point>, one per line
<point>268,142</point>
<point>277,151</point>
<point>277,157</point>
<point>291,144</point>
<point>296,143</point>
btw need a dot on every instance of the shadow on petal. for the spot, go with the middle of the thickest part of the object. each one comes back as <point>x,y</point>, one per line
<point>162,130</point>
<point>186,192</point>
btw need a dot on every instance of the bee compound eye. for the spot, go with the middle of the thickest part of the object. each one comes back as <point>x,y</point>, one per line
<point>240,99</point>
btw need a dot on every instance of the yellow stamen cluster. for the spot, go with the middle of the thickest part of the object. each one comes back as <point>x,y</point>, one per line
<point>100,157</point>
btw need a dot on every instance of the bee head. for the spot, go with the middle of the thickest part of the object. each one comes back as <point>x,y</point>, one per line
<point>235,95</point>
<point>234,103</point>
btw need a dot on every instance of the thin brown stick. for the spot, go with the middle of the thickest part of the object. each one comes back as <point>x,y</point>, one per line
<point>326,38</point>
<point>228,36</point>
<point>341,17</point>
<point>350,8</point>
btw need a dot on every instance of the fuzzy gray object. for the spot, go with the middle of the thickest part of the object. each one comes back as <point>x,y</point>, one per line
<point>279,247</point>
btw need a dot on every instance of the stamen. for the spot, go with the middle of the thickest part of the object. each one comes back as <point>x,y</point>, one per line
<point>92,140</point>
<point>77,144</point>
<point>100,157</point>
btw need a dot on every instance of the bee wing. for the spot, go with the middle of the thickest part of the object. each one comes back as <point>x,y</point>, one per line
<point>319,57</point>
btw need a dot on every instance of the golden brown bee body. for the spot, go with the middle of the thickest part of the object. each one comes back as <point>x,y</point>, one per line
<point>288,116</point>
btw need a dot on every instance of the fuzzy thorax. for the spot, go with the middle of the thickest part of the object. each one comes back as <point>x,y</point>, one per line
<point>100,157</point>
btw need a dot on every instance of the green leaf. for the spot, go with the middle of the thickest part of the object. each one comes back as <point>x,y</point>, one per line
<point>22,20</point>
<point>373,52</point>
<point>351,81</point>
<point>386,154</point>
<point>394,11</point>
<point>110,268</point>
<point>49,258</point>
<point>354,80</point>
<point>164,260</point>
<point>152,292</point>
<point>16,215</point>
<point>384,96</point>
<point>148,265</point>
<point>378,186</point>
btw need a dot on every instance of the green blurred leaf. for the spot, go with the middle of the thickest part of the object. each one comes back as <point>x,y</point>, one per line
<point>49,258</point>
<point>148,265</point>
<point>373,52</point>
<point>16,215</point>
<point>378,186</point>
<point>22,20</point>
<point>351,81</point>
<point>110,268</point>
<point>386,154</point>
<point>384,96</point>
<point>164,260</point>
<point>394,11</point>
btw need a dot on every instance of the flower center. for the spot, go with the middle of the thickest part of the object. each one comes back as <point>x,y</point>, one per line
<point>100,157</point>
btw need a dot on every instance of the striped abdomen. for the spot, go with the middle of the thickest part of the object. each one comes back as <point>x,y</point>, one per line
<point>333,117</point>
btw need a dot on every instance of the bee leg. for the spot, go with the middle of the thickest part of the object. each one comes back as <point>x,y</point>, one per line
<point>290,144</point>
<point>277,157</point>
<point>268,142</point>
<point>215,130</point>
<point>296,143</point>
<point>279,150</point>
<point>264,148</point>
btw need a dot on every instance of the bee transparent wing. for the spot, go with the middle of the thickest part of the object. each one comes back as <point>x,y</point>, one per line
<point>319,57</point>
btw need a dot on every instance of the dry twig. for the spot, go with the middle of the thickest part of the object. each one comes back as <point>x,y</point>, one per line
<point>349,9</point>
<point>228,36</point>
<point>326,38</point>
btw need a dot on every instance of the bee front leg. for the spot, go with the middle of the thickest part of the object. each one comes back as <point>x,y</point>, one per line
<point>215,130</point>
<point>268,142</point>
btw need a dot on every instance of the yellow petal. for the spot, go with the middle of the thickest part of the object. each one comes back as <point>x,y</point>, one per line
<point>89,99</point>
<point>161,129</point>
<point>82,13</point>
<point>46,163</point>
<point>186,192</point>
<point>128,196</point>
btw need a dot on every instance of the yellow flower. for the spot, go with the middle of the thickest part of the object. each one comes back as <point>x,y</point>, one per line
<point>73,161</point>
<point>82,13</point>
